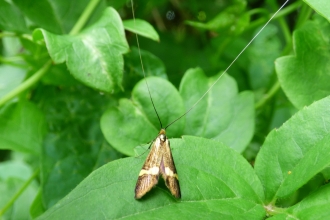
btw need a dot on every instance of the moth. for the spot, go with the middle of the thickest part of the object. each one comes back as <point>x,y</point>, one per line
<point>158,162</point>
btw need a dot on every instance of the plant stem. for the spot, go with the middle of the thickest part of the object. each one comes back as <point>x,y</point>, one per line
<point>26,84</point>
<point>19,192</point>
<point>285,11</point>
<point>267,96</point>
<point>304,15</point>
<point>13,61</point>
<point>84,17</point>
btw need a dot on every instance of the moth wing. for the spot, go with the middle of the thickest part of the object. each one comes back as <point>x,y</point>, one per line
<point>149,173</point>
<point>168,171</point>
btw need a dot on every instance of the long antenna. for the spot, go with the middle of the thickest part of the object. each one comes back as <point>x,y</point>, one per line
<point>144,74</point>
<point>193,106</point>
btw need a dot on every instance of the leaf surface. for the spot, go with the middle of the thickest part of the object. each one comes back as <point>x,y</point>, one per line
<point>209,189</point>
<point>142,28</point>
<point>295,152</point>
<point>304,77</point>
<point>94,56</point>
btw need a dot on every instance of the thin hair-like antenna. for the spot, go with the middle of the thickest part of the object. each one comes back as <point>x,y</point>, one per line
<point>193,106</point>
<point>144,74</point>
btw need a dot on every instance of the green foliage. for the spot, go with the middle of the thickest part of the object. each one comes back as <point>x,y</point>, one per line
<point>75,108</point>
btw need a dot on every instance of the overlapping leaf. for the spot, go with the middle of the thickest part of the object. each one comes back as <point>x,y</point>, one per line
<point>135,122</point>
<point>222,113</point>
<point>214,179</point>
<point>296,152</point>
<point>217,116</point>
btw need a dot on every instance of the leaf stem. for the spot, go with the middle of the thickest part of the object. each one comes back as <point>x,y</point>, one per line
<point>19,192</point>
<point>272,210</point>
<point>285,11</point>
<point>26,84</point>
<point>13,61</point>
<point>268,95</point>
<point>84,17</point>
<point>304,15</point>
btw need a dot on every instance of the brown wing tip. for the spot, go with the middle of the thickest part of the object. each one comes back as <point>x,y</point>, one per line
<point>177,195</point>
<point>137,196</point>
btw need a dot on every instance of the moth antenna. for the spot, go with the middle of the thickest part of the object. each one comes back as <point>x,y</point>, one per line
<point>144,74</point>
<point>193,106</point>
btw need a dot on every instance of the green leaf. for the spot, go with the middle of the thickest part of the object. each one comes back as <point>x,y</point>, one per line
<point>314,206</point>
<point>74,145</point>
<point>94,56</point>
<point>11,18</point>
<point>242,123</point>
<point>304,77</point>
<point>261,61</point>
<point>296,152</point>
<point>214,117</point>
<point>142,28</point>
<point>224,186</point>
<point>222,114</point>
<point>320,6</point>
<point>22,127</point>
<point>122,125</point>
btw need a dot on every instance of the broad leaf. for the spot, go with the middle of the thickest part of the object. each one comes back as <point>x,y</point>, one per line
<point>320,6</point>
<point>222,113</point>
<point>135,122</point>
<point>304,76</point>
<point>215,182</point>
<point>294,153</point>
<point>94,56</point>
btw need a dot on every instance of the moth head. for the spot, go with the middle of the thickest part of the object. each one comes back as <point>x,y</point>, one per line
<point>162,135</point>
